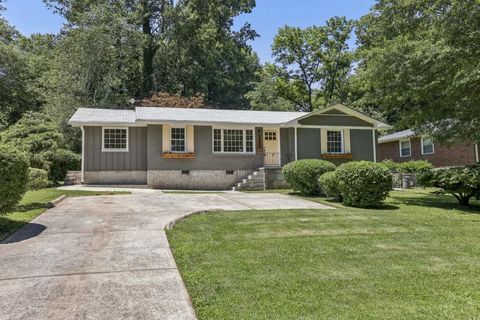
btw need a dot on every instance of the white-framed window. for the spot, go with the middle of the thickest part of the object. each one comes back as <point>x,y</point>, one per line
<point>114,139</point>
<point>427,145</point>
<point>405,148</point>
<point>177,139</point>
<point>226,140</point>
<point>335,141</point>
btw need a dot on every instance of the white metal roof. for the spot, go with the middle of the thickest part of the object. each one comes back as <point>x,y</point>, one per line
<point>397,136</point>
<point>215,116</point>
<point>102,116</point>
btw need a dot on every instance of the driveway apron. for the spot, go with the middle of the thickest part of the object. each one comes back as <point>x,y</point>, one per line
<point>107,257</point>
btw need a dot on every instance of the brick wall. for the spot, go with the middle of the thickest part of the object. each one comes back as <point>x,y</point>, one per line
<point>457,155</point>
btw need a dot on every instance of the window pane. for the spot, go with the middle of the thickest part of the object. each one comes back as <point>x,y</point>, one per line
<point>249,140</point>
<point>177,141</point>
<point>232,140</point>
<point>334,142</point>
<point>217,140</point>
<point>405,148</point>
<point>115,139</point>
<point>427,145</point>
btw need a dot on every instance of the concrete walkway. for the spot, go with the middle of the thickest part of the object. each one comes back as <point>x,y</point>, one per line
<point>107,257</point>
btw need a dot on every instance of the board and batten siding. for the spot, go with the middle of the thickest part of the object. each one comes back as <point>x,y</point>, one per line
<point>133,160</point>
<point>340,120</point>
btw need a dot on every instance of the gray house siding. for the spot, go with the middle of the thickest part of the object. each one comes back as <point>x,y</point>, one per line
<point>287,145</point>
<point>116,167</point>
<point>334,120</point>
<point>308,143</point>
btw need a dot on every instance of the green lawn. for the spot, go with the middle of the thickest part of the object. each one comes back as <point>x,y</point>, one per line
<point>418,258</point>
<point>33,204</point>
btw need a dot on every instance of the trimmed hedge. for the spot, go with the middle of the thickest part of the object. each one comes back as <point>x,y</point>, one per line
<point>364,184</point>
<point>302,175</point>
<point>328,182</point>
<point>13,176</point>
<point>38,179</point>
<point>414,167</point>
<point>62,161</point>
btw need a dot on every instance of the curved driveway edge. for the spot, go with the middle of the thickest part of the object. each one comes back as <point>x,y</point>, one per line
<point>107,257</point>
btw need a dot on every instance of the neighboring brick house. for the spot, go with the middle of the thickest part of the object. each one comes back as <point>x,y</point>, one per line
<point>406,145</point>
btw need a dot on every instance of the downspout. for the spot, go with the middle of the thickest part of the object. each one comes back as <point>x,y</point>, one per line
<point>477,158</point>
<point>83,155</point>
<point>296,149</point>
<point>374,145</point>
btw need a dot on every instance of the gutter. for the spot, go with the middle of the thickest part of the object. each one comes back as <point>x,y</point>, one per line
<point>477,157</point>
<point>83,155</point>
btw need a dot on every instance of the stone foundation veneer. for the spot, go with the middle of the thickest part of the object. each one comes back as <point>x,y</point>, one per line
<point>194,180</point>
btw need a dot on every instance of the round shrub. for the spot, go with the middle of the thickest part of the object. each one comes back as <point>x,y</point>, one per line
<point>328,183</point>
<point>62,161</point>
<point>13,177</point>
<point>302,175</point>
<point>38,179</point>
<point>364,184</point>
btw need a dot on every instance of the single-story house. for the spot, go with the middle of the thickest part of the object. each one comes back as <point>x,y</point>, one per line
<point>208,148</point>
<point>406,145</point>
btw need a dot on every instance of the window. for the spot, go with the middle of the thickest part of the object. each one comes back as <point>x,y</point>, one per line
<point>427,146</point>
<point>335,141</point>
<point>271,135</point>
<point>405,148</point>
<point>177,140</point>
<point>115,140</point>
<point>233,141</point>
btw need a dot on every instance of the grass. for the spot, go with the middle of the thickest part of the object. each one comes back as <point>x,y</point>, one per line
<point>417,258</point>
<point>33,204</point>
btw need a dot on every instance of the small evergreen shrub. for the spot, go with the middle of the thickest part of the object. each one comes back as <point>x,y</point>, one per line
<point>462,182</point>
<point>328,183</point>
<point>364,184</point>
<point>61,161</point>
<point>390,164</point>
<point>302,175</point>
<point>13,176</point>
<point>414,166</point>
<point>38,179</point>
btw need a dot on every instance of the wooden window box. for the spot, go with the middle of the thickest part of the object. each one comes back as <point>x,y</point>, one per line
<point>169,155</point>
<point>337,156</point>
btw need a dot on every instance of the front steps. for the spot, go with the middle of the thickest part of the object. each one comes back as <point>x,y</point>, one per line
<point>253,182</point>
<point>73,178</point>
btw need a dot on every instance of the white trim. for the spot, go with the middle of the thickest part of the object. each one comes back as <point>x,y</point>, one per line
<point>334,127</point>
<point>342,142</point>
<point>374,137</point>
<point>400,147</point>
<point>421,145</point>
<point>114,150</point>
<point>296,145</point>
<point>184,138</point>
<point>476,153</point>
<point>83,155</point>
<point>244,129</point>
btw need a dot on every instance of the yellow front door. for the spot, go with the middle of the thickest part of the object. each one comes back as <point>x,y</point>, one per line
<point>271,147</point>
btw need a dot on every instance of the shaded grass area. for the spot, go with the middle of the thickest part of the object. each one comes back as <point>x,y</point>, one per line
<point>34,203</point>
<point>418,258</point>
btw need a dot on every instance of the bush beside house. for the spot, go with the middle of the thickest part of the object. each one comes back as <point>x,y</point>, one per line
<point>462,182</point>
<point>302,175</point>
<point>13,176</point>
<point>363,183</point>
<point>37,179</point>
<point>328,182</point>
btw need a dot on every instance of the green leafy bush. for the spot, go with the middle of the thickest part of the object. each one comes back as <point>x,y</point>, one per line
<point>328,183</point>
<point>302,175</point>
<point>462,182</point>
<point>414,167</point>
<point>390,164</point>
<point>363,184</point>
<point>37,179</point>
<point>61,161</point>
<point>13,176</point>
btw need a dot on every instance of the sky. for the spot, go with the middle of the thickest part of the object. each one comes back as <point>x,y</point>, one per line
<point>32,16</point>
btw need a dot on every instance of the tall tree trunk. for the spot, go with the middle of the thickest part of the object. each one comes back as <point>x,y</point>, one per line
<point>149,48</point>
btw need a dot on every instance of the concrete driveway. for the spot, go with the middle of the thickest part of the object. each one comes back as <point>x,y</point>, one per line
<point>107,257</point>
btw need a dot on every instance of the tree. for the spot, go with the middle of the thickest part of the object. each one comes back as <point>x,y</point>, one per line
<point>264,95</point>
<point>419,62</point>
<point>313,63</point>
